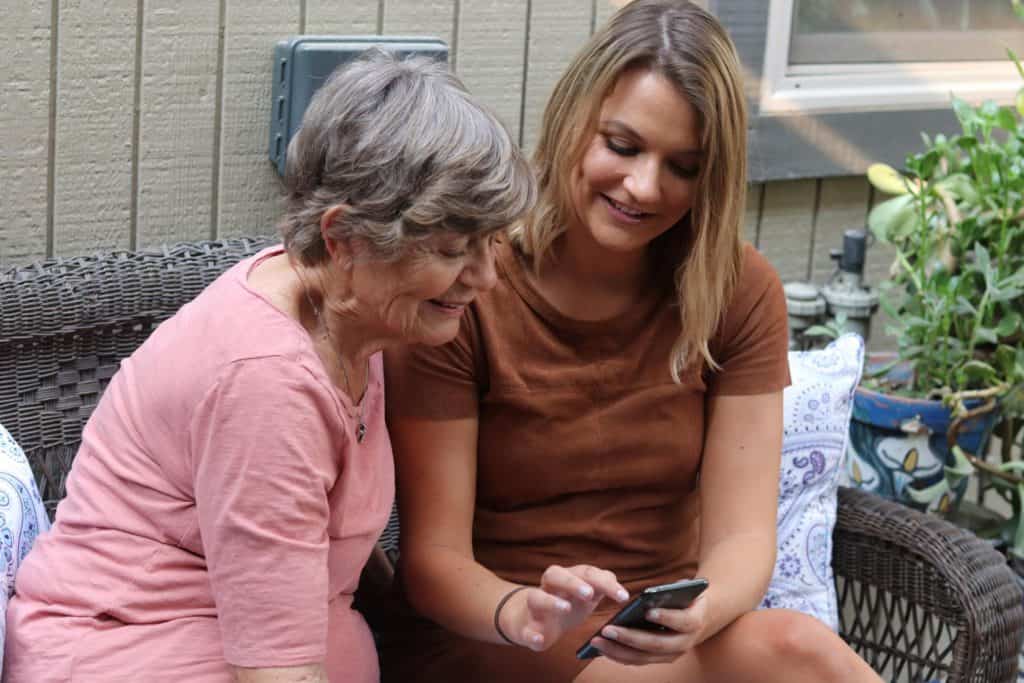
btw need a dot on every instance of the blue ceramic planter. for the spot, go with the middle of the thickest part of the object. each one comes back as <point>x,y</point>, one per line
<point>885,458</point>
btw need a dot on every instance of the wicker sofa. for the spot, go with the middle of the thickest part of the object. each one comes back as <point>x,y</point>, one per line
<point>919,598</point>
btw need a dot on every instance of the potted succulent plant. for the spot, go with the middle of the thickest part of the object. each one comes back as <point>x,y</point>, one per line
<point>922,419</point>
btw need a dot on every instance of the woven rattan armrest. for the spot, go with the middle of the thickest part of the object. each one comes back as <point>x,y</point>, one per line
<point>922,599</point>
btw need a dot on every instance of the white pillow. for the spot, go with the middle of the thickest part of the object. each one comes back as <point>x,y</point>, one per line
<point>816,429</point>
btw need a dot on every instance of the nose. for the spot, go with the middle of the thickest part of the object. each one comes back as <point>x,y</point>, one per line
<point>479,272</point>
<point>643,181</point>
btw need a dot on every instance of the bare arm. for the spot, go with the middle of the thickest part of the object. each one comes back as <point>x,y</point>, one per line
<point>436,465</point>
<point>739,492</point>
<point>739,498</point>
<point>436,468</point>
<point>312,673</point>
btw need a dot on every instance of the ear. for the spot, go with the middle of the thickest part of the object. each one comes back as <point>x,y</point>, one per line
<point>335,248</point>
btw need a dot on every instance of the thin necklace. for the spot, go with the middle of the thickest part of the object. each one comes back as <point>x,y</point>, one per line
<point>360,425</point>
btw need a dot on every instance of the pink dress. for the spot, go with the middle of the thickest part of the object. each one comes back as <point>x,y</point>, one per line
<point>219,511</point>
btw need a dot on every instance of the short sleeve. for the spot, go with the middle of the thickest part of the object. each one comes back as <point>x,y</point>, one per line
<point>262,456</point>
<point>752,342</point>
<point>440,382</point>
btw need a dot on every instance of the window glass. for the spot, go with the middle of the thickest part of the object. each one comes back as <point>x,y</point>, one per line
<point>867,31</point>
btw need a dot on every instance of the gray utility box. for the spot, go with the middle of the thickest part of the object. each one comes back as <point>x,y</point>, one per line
<point>303,63</point>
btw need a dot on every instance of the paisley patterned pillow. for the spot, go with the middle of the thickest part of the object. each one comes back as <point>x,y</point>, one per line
<point>816,429</point>
<point>22,515</point>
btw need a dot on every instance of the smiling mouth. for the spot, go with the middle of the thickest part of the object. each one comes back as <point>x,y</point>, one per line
<point>449,306</point>
<point>629,211</point>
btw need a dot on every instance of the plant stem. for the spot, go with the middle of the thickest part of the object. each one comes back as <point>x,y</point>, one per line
<point>993,470</point>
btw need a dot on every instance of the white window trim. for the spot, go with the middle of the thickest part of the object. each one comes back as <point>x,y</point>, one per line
<point>825,88</point>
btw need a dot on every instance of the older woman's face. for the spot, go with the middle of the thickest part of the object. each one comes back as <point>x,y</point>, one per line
<point>421,297</point>
<point>638,175</point>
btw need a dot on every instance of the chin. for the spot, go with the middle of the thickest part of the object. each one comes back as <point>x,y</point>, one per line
<point>620,240</point>
<point>438,335</point>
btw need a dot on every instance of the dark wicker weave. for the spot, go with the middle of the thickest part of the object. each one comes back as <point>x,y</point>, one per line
<point>919,598</point>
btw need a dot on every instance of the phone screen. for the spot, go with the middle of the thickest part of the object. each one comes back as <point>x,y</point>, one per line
<point>678,595</point>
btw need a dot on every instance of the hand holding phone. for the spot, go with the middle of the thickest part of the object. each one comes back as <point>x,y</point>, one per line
<point>677,595</point>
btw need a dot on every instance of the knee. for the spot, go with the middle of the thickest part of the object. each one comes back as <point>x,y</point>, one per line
<point>798,642</point>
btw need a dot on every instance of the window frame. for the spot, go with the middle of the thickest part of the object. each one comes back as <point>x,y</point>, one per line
<point>809,124</point>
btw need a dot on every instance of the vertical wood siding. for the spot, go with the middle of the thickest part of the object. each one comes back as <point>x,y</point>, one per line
<point>490,54</point>
<point>130,123</point>
<point>249,191</point>
<point>94,155</point>
<point>176,126</point>
<point>25,130</point>
<point>351,17</point>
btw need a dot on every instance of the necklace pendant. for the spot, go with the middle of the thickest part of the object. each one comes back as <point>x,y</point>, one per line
<point>360,432</point>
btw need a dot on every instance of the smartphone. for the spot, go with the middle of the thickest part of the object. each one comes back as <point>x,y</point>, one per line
<point>678,595</point>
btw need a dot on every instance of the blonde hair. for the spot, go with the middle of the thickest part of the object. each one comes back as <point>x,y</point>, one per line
<point>687,46</point>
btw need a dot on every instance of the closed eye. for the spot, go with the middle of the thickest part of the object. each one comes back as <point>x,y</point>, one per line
<point>684,171</point>
<point>621,147</point>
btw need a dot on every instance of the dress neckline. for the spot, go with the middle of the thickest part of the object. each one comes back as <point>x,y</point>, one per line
<point>513,264</point>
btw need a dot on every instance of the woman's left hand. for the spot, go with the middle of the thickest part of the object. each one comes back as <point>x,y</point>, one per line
<point>636,646</point>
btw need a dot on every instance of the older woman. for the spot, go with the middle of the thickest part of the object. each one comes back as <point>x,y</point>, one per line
<point>234,478</point>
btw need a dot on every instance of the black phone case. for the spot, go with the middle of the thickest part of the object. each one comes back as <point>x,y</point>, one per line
<point>632,615</point>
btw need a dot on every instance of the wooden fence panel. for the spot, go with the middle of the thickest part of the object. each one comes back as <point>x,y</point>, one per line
<point>752,212</point>
<point>785,230</point>
<point>843,204</point>
<point>178,111</point>
<point>94,153</point>
<point>491,44</point>
<point>24,132</point>
<point>556,30</point>
<point>249,199</point>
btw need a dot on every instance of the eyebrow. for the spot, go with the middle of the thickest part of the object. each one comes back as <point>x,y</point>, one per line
<point>626,129</point>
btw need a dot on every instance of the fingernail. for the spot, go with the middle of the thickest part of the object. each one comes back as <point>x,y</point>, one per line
<point>609,633</point>
<point>621,594</point>
<point>653,614</point>
<point>563,605</point>
<point>586,591</point>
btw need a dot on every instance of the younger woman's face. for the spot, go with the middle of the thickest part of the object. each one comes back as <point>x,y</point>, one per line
<point>638,175</point>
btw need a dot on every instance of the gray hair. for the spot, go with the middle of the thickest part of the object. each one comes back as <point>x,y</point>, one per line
<point>404,146</point>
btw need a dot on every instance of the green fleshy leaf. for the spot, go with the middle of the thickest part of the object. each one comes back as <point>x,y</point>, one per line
<point>965,114</point>
<point>1018,7</point>
<point>985,334</point>
<point>892,218</point>
<point>1009,325</point>
<point>1006,119</point>
<point>965,307</point>
<point>984,262</point>
<point>960,186</point>
<point>981,370</point>
<point>1006,294</point>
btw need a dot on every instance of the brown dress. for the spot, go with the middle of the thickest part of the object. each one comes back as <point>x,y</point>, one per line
<point>588,452</point>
